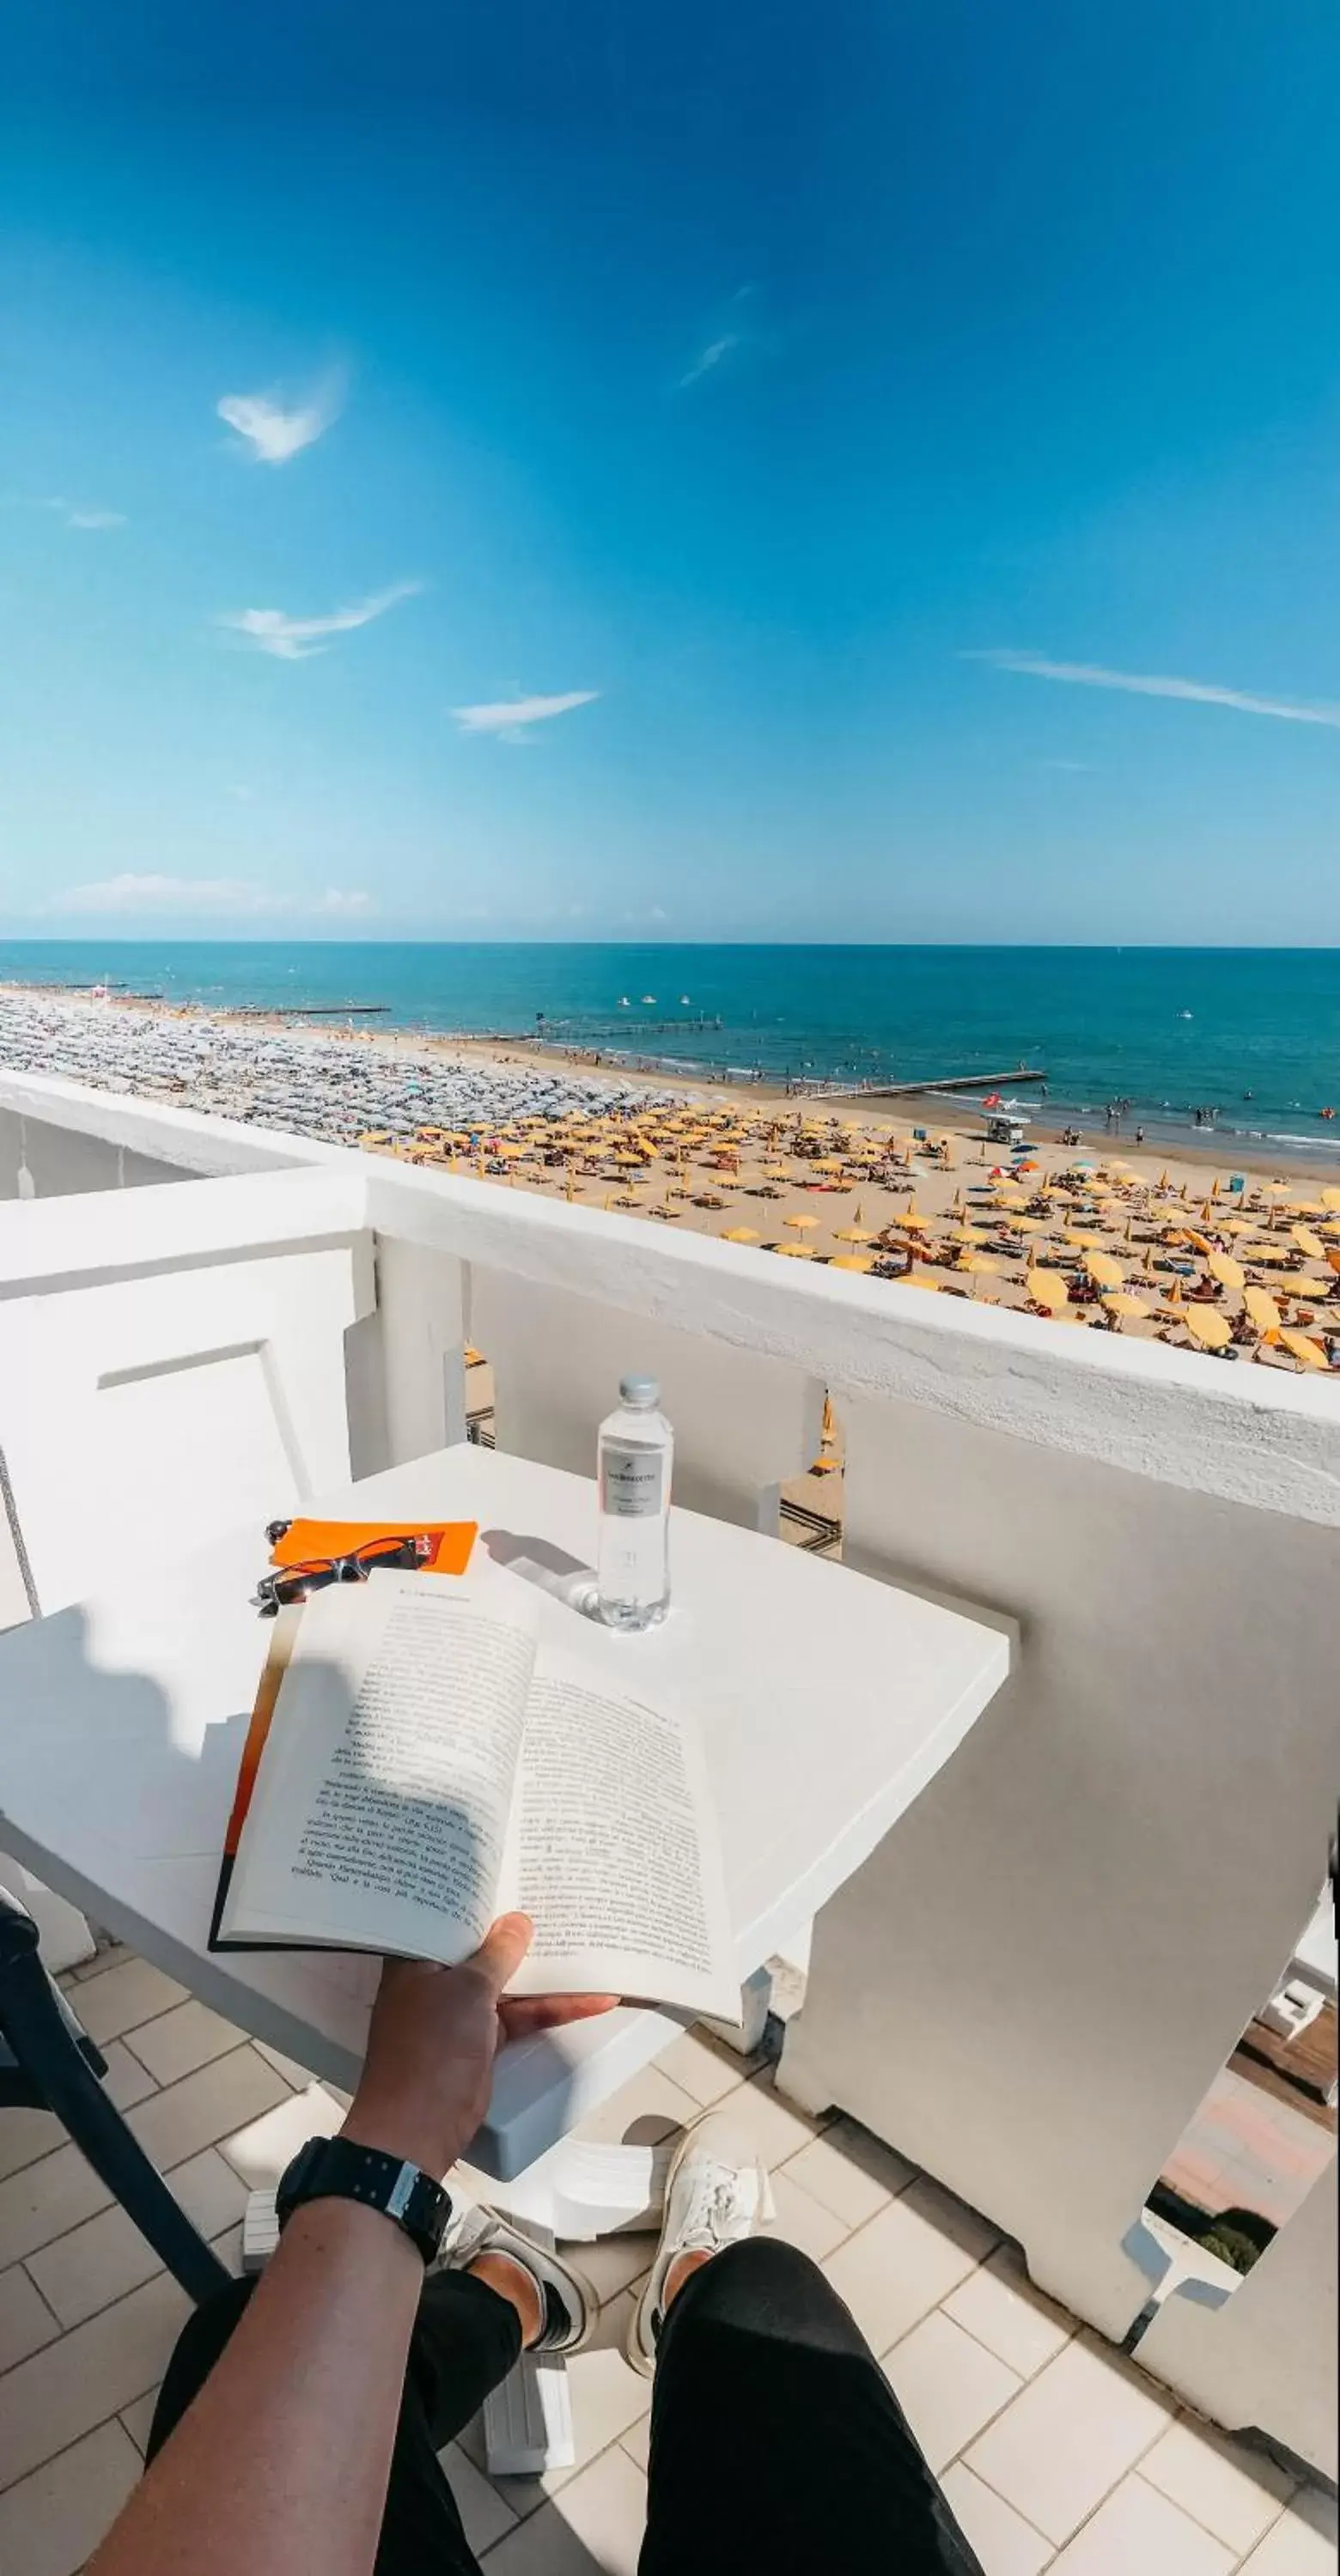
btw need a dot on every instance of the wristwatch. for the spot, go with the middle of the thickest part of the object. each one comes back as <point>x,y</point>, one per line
<point>338,2169</point>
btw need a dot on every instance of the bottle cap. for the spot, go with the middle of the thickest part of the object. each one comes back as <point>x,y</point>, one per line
<point>641,1392</point>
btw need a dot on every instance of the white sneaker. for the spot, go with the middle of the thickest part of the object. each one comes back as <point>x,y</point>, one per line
<point>715,2195</point>
<point>568,2304</point>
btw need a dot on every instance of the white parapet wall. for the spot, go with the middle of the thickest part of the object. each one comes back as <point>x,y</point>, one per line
<point>1030,1985</point>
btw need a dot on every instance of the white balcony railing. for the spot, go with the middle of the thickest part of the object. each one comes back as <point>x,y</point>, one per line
<point>1031,1984</point>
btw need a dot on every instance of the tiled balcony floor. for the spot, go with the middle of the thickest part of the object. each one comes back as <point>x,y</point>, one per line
<point>1055,2453</point>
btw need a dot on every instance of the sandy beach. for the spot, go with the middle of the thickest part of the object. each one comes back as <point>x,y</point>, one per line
<point>1233,1258</point>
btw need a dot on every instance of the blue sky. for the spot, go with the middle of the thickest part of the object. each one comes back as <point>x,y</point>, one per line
<point>787,441</point>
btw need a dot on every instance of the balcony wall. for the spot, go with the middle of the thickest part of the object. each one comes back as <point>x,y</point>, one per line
<point>1030,1985</point>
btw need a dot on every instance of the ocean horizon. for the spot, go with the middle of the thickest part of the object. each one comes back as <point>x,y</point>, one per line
<point>1251,1035</point>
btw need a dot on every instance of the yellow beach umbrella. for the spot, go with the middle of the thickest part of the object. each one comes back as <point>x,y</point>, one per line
<point>795,1251</point>
<point>1103,1270</point>
<point>1262,1309</point>
<point>740,1234</point>
<point>1331,1198</point>
<point>851,1261</point>
<point>1309,1354</point>
<point>1125,1305</point>
<point>1207,1327</point>
<point>978,1261</point>
<point>1083,1242</point>
<point>801,1223</point>
<point>1309,1242</point>
<point>855,1234</point>
<point>1229,1273</point>
<point>1047,1289</point>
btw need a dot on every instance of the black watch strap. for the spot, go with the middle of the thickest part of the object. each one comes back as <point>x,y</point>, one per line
<point>341,2169</point>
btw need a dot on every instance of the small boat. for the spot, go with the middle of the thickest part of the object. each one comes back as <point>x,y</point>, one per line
<point>624,1003</point>
<point>648,997</point>
<point>683,1001</point>
<point>1186,1015</point>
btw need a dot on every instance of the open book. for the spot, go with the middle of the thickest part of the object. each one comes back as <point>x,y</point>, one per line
<point>419,1763</point>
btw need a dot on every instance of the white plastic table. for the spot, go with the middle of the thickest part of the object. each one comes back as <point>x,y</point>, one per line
<point>826,1702</point>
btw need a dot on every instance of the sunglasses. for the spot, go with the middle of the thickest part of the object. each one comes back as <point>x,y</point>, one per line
<point>290,1583</point>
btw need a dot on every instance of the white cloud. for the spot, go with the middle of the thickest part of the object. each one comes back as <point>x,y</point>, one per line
<point>1091,675</point>
<point>508,720</point>
<point>296,639</point>
<point>73,515</point>
<point>271,435</point>
<point>231,898</point>
<point>709,358</point>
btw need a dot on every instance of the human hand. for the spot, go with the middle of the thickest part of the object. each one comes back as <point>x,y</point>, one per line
<point>435,2031</point>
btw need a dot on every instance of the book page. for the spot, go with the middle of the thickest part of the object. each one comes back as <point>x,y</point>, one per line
<point>613,1851</point>
<point>380,1814</point>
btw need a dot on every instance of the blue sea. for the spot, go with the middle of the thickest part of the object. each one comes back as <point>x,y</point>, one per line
<point>1252,1034</point>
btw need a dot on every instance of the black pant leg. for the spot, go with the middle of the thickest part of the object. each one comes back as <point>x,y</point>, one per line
<point>464,2343</point>
<point>776,2440</point>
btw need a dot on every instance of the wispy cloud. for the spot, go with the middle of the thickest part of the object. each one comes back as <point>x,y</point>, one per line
<point>709,358</point>
<point>233,898</point>
<point>269,434</point>
<point>1091,675</point>
<point>296,639</point>
<point>509,720</point>
<point>73,513</point>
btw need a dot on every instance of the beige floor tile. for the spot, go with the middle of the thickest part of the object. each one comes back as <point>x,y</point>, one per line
<point>127,2079</point>
<point>1000,2306</point>
<point>702,2067</point>
<point>1138,2528</point>
<point>1301,2543</point>
<point>1070,2436</point>
<point>46,2198</point>
<point>51,2521</point>
<point>803,2221</point>
<point>851,2172</point>
<point>607,2508</point>
<point>947,2385</point>
<point>260,2150</point>
<point>612,2263</point>
<point>107,2256</point>
<point>61,2393</point>
<point>180,2040</point>
<point>138,2418</point>
<point>637,2441</point>
<point>207,2106</point>
<point>764,2124</point>
<point>26,2322</point>
<point>641,2112</point>
<point>593,2528</point>
<point>1004,2542</point>
<point>904,2262</point>
<point>26,2135</point>
<point>122,1997</point>
<point>298,2076</point>
<point>1235,2492</point>
<point>481,2508</point>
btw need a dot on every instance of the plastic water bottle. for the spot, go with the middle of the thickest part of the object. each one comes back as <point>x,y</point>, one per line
<point>635,1454</point>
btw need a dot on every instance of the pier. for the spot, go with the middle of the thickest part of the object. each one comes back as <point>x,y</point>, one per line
<point>913,1090</point>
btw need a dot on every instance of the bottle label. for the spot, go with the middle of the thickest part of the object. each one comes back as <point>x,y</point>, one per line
<point>632,1483</point>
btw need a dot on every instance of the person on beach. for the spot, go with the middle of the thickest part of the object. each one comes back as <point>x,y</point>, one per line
<point>298,2428</point>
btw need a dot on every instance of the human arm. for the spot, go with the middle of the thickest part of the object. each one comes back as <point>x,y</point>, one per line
<point>280,2465</point>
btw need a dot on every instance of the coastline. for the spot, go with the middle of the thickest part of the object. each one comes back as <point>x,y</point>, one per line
<point>506,1054</point>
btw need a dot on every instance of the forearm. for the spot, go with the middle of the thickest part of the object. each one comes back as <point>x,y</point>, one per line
<point>282,2460</point>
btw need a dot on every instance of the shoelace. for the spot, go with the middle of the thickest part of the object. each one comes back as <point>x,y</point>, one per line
<point>711,2210</point>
